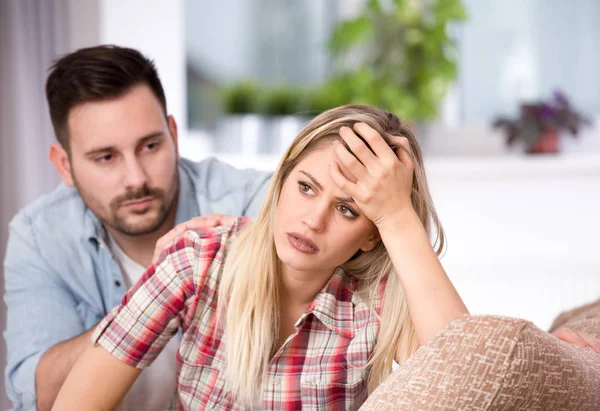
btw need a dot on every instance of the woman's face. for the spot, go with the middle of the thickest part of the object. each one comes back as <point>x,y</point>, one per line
<point>317,226</point>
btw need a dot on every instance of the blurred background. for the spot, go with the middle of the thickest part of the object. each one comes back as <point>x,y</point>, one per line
<point>503,95</point>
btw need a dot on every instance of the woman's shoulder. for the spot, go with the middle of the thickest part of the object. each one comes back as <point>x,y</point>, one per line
<point>198,256</point>
<point>204,245</point>
<point>204,236</point>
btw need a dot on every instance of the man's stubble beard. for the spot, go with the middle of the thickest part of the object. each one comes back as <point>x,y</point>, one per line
<point>112,219</point>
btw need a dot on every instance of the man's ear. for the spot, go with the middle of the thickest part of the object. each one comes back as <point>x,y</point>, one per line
<point>173,129</point>
<point>371,242</point>
<point>60,159</point>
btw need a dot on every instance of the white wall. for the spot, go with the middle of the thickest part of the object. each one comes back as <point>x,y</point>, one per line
<point>522,232</point>
<point>156,28</point>
<point>512,50</point>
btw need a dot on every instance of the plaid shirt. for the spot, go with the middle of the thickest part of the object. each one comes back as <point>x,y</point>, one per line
<point>318,367</point>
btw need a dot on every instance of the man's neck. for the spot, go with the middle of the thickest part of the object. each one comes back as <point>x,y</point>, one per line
<point>140,248</point>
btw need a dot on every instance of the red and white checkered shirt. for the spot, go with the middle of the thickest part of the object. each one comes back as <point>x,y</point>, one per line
<point>318,367</point>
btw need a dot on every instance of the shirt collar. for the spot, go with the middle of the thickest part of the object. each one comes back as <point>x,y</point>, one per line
<point>187,208</point>
<point>333,306</point>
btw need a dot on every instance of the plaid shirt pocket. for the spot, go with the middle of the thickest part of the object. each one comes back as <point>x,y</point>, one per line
<point>201,387</point>
<point>334,396</point>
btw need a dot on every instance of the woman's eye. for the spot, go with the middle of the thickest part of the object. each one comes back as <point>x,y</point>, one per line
<point>305,188</point>
<point>346,211</point>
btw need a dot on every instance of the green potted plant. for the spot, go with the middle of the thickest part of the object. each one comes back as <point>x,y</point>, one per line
<point>540,124</point>
<point>398,55</point>
<point>285,109</point>
<point>242,126</point>
<point>333,93</point>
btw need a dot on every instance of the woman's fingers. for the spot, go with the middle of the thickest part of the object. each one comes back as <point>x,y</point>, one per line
<point>403,152</point>
<point>365,156</point>
<point>350,162</point>
<point>347,186</point>
<point>379,146</point>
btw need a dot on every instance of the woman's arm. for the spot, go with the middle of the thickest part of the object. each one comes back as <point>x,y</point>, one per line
<point>97,382</point>
<point>133,334</point>
<point>432,299</point>
<point>382,189</point>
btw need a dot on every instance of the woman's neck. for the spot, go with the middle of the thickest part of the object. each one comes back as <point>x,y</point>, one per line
<point>299,288</point>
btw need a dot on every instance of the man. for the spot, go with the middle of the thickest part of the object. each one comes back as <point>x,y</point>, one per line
<point>73,253</point>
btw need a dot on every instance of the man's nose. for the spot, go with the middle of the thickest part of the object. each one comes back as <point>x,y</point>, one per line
<point>134,175</point>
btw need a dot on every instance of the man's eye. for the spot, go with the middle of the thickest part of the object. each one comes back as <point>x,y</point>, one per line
<point>151,146</point>
<point>104,159</point>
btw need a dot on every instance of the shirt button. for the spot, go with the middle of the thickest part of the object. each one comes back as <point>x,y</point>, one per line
<point>117,283</point>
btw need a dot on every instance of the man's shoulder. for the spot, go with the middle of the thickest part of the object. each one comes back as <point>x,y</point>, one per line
<point>221,188</point>
<point>212,170</point>
<point>60,211</point>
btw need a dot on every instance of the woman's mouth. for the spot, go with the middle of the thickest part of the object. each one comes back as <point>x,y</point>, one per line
<point>302,243</point>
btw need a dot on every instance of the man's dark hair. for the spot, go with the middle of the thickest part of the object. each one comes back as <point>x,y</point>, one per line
<point>95,74</point>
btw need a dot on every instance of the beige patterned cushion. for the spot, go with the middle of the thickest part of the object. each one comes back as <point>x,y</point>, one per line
<point>495,363</point>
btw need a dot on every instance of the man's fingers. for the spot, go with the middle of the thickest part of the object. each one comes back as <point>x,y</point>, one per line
<point>580,338</point>
<point>592,342</point>
<point>568,335</point>
<point>196,223</point>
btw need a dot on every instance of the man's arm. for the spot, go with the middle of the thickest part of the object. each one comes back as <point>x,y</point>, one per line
<point>55,365</point>
<point>41,313</point>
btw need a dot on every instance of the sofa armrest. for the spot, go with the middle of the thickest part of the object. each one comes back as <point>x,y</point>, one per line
<point>493,363</point>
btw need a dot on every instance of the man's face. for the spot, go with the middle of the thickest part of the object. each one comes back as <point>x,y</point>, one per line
<point>123,160</point>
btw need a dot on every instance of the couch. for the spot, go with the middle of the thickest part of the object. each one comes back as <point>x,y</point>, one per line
<point>493,363</point>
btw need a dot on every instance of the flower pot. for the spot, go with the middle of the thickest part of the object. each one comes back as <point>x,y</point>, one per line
<point>548,143</point>
<point>283,130</point>
<point>242,134</point>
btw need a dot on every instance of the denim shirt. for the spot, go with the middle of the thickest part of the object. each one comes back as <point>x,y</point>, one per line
<point>60,277</point>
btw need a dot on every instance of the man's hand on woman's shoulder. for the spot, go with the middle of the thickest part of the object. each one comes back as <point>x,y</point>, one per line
<point>196,223</point>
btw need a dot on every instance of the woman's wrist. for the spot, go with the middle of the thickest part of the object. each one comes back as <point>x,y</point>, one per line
<point>401,221</point>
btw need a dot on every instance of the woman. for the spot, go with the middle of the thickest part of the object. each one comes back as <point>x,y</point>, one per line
<point>305,308</point>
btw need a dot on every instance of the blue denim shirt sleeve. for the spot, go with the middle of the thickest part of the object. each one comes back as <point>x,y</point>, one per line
<point>224,189</point>
<point>41,311</point>
<point>256,188</point>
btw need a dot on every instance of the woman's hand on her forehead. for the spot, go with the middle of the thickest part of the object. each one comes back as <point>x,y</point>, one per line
<point>196,223</point>
<point>383,185</point>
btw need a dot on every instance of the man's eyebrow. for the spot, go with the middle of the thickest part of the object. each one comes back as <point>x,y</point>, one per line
<point>320,187</point>
<point>110,148</point>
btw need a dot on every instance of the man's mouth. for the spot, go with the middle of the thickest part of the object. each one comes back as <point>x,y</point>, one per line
<point>139,203</point>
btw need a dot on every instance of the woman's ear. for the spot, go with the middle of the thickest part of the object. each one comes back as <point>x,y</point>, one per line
<point>371,242</point>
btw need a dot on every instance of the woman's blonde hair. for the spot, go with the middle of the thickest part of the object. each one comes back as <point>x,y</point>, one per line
<point>248,292</point>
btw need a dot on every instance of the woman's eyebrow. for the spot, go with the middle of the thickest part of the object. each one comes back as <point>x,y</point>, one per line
<point>320,187</point>
<point>314,180</point>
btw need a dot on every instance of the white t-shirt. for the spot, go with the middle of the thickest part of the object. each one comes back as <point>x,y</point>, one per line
<point>156,385</point>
